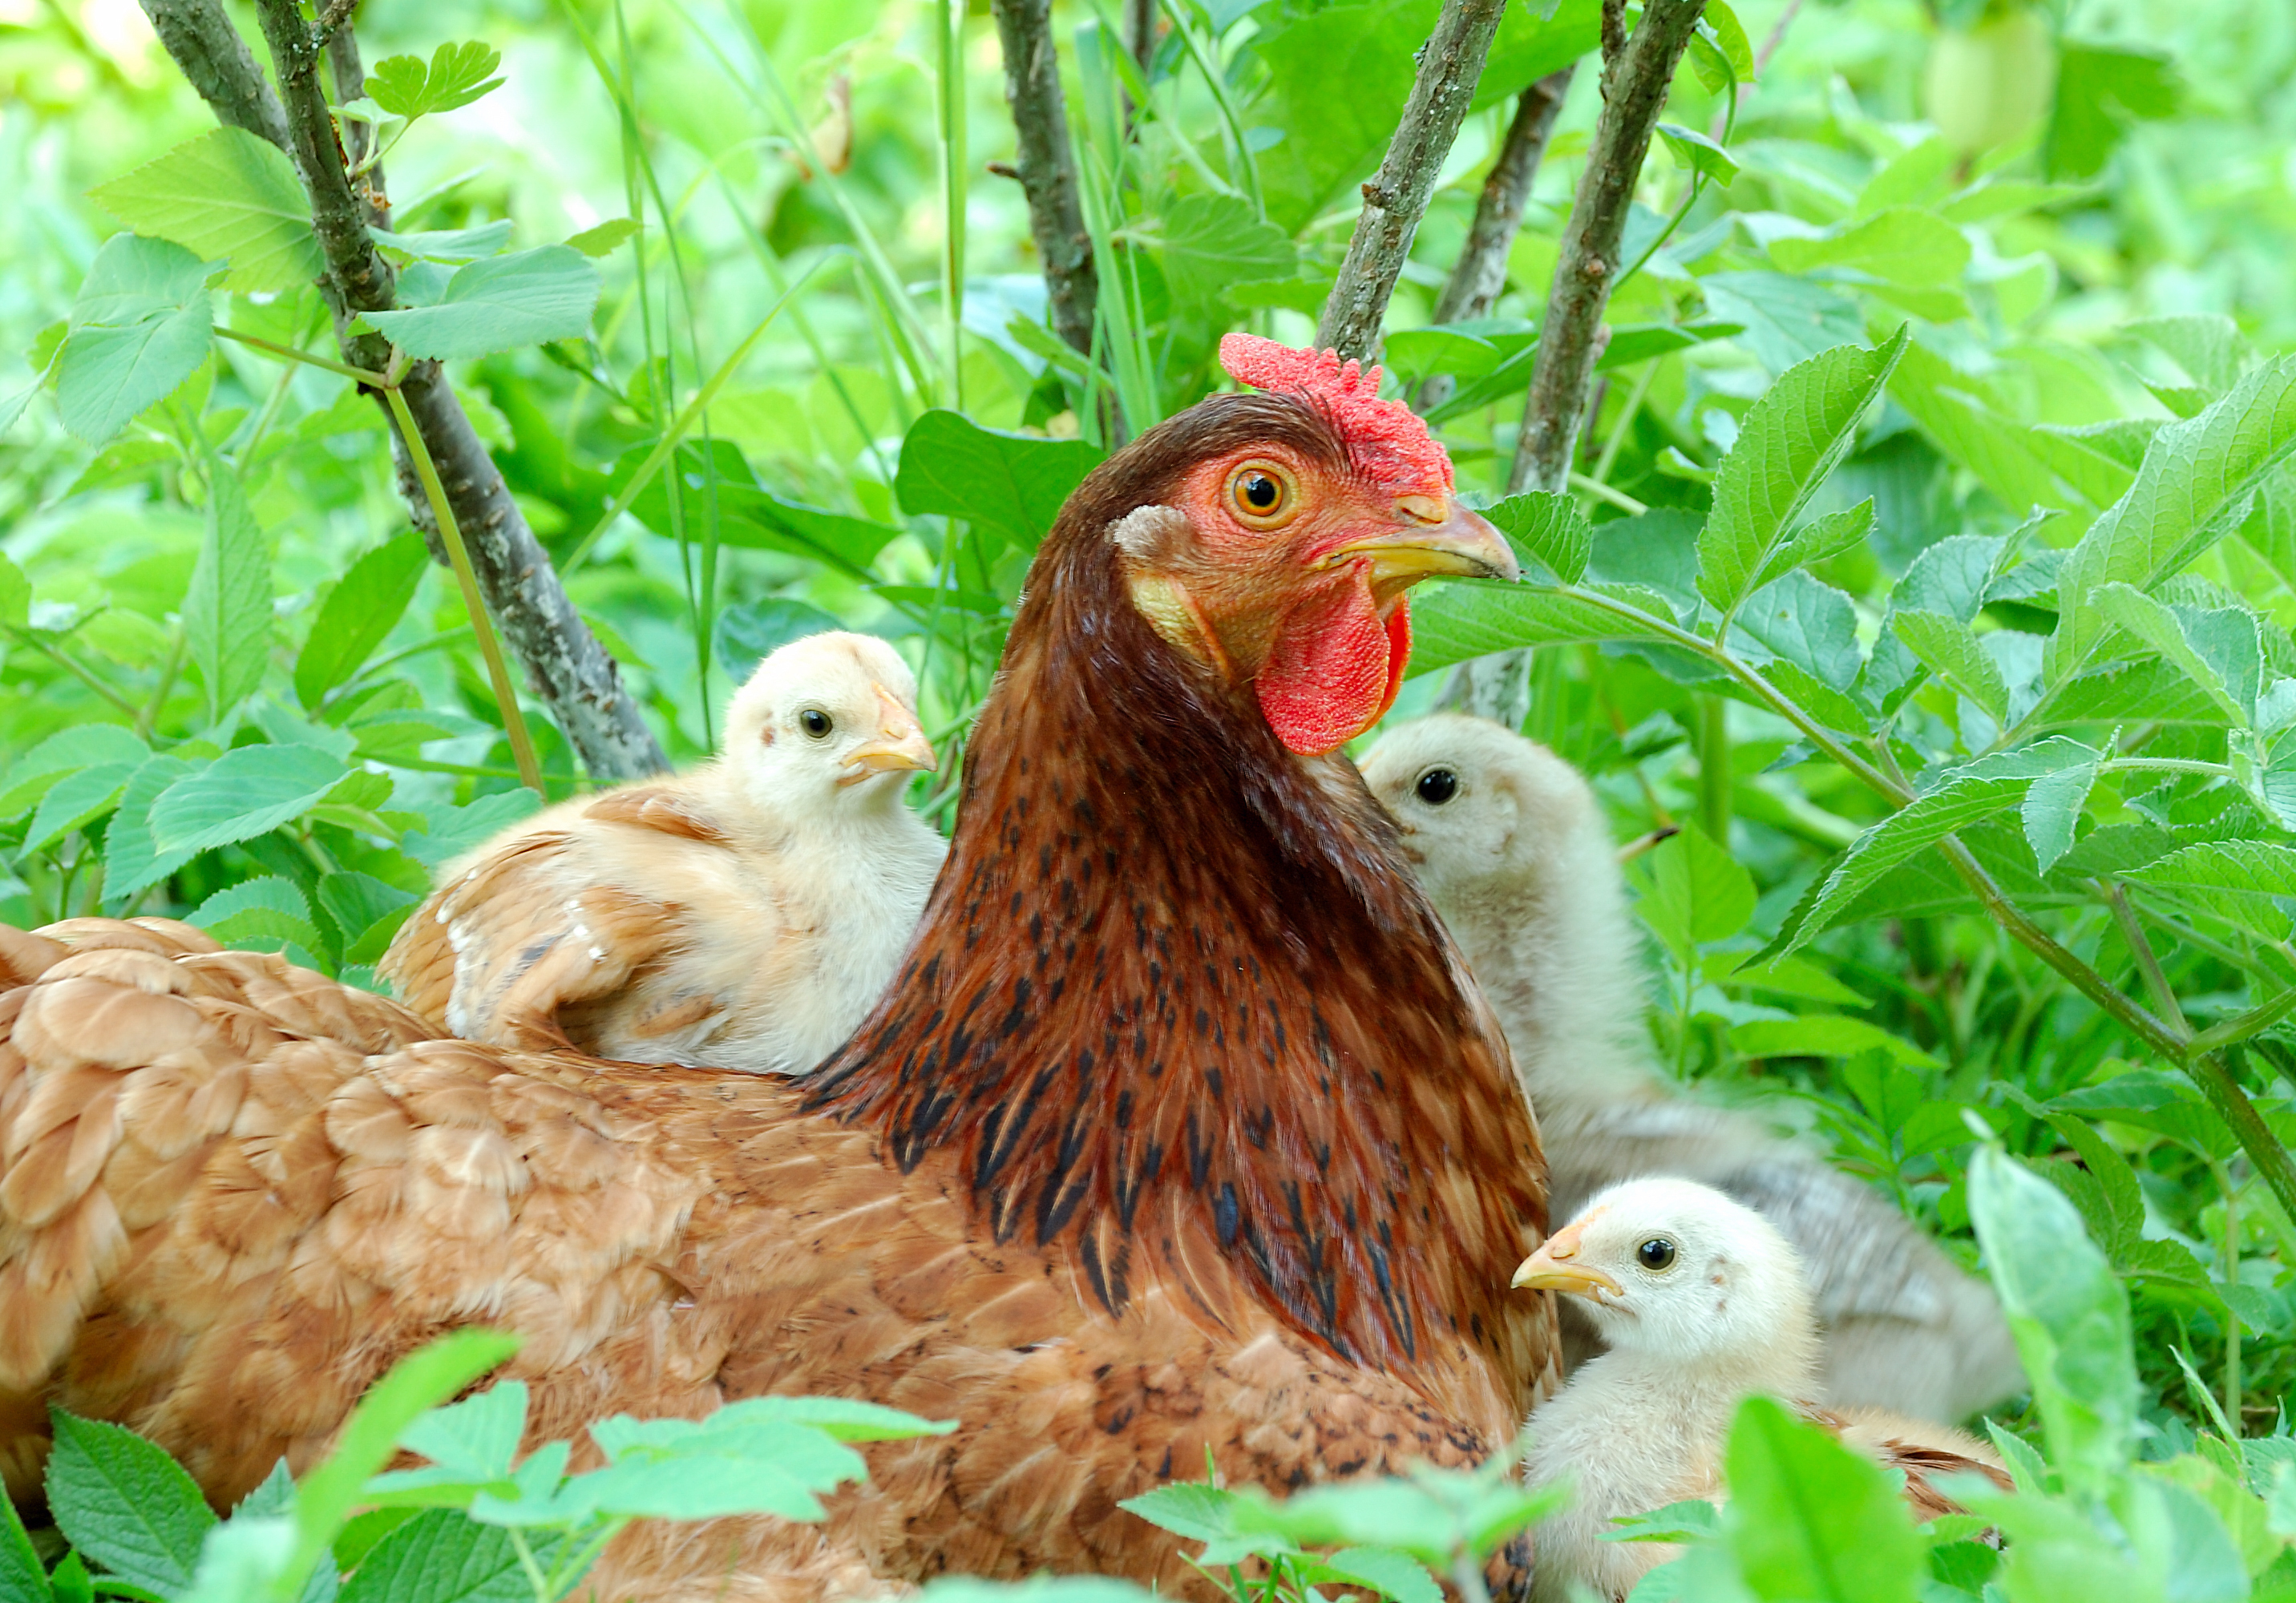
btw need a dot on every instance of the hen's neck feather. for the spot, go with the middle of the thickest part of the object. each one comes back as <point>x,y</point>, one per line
<point>1175,1001</point>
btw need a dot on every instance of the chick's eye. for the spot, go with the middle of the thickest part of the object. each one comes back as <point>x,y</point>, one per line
<point>1437,786</point>
<point>1262,495</point>
<point>814,723</point>
<point>1657,1253</point>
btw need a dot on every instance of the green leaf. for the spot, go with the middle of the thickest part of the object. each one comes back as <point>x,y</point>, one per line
<point>366,911</point>
<point>1807,623</point>
<point>225,196</point>
<point>1698,153</point>
<point>227,610</point>
<point>268,909</point>
<point>2199,477</point>
<point>2243,881</point>
<point>2209,345</point>
<point>451,244</point>
<point>527,297</point>
<point>749,633</point>
<point>23,1578</point>
<point>840,1418</point>
<point>130,861</point>
<point>1899,245</point>
<point>1789,441</point>
<point>1211,241</point>
<point>442,1555</point>
<point>243,794</point>
<point>1785,319</point>
<point>1548,526</point>
<point>2125,607</point>
<point>1730,38</point>
<point>606,237</point>
<point>1391,1574</point>
<point>1012,483</point>
<point>15,592</point>
<point>2052,808</point>
<point>1814,541</point>
<point>1965,796</point>
<point>1809,1519</point>
<point>139,328</point>
<point>457,75</point>
<point>1951,649</point>
<point>362,608</point>
<point>1823,1035</point>
<point>125,1503</point>
<point>1473,617</point>
<point>77,800</point>
<point>454,831</point>
<point>1696,891</point>
<point>2069,1313</point>
<point>1814,697</point>
<point>1633,343</point>
<point>2100,91</point>
<point>82,746</point>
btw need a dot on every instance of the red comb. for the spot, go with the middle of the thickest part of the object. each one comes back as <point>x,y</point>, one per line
<point>1385,436</point>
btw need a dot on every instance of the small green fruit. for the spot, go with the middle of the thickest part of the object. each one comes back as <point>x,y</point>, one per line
<point>1987,85</point>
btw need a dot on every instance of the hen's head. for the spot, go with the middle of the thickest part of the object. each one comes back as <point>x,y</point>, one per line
<point>833,715</point>
<point>1270,535</point>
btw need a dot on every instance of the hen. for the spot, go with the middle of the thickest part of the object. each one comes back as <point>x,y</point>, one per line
<point>1513,849</point>
<point>1703,1305</point>
<point>1181,1131</point>
<point>745,915</point>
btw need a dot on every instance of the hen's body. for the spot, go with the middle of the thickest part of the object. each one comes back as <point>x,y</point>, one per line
<point>1180,1130</point>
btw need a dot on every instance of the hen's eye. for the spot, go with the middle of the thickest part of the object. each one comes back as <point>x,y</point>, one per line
<point>1437,786</point>
<point>814,723</point>
<point>1262,495</point>
<point>1657,1253</point>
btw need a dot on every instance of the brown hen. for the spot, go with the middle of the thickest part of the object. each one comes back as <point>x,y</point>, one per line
<point>1181,1129</point>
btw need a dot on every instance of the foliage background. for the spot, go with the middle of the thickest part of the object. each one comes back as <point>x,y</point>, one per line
<point>2160,183</point>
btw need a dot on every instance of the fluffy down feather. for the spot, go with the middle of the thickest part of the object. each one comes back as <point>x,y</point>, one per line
<point>1517,857</point>
<point>744,915</point>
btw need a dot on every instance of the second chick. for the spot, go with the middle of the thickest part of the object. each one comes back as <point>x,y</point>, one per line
<point>745,915</point>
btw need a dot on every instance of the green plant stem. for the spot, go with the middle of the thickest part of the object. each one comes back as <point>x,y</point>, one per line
<point>168,671</point>
<point>55,654</point>
<point>372,380</point>
<point>1714,782</point>
<point>950,29</point>
<point>2148,965</point>
<point>521,743</point>
<point>1633,404</point>
<point>1206,57</point>
<point>2217,1073</point>
<point>2242,1025</point>
<point>2223,1173</point>
<point>1602,492</point>
<point>544,1592</point>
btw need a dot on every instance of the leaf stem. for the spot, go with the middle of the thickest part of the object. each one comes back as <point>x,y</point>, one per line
<point>521,743</point>
<point>372,380</point>
<point>2148,964</point>
<point>2242,1025</point>
<point>2217,1073</point>
<point>55,654</point>
<point>1602,492</point>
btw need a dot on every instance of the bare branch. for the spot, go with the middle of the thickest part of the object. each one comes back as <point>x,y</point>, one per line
<point>1635,78</point>
<point>1046,165</point>
<point>1450,63</point>
<point>1479,277</point>
<point>203,44</point>
<point>576,680</point>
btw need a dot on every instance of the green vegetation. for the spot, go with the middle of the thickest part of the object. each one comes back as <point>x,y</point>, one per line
<point>1929,556</point>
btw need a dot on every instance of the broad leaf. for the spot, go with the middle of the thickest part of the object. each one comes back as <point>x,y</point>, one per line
<point>1809,1519</point>
<point>499,303</point>
<point>1816,541</point>
<point>227,611</point>
<point>2052,809</point>
<point>244,793</point>
<point>1823,1035</point>
<point>2245,881</point>
<point>442,1555</point>
<point>1548,526</point>
<point>1698,154</point>
<point>365,911</point>
<point>1807,623</point>
<point>454,831</point>
<point>125,1503</point>
<point>131,861</point>
<point>749,633</point>
<point>1696,892</point>
<point>225,196</point>
<point>2100,89</point>
<point>1899,245</point>
<point>139,329</point>
<point>364,606</point>
<point>457,75</point>
<point>1473,617</point>
<point>1784,320</point>
<point>2209,345</point>
<point>1012,483</point>
<point>258,913</point>
<point>2128,607</point>
<point>1950,649</point>
<point>23,1578</point>
<point>1789,441</point>
<point>1211,241</point>
<point>76,800</point>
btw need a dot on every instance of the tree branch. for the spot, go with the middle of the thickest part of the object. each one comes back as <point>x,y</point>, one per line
<point>568,669</point>
<point>1479,277</point>
<point>1045,165</point>
<point>1636,74</point>
<point>349,73</point>
<point>1450,63</point>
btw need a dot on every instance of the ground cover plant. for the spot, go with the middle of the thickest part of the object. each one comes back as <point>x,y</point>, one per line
<point>1909,513</point>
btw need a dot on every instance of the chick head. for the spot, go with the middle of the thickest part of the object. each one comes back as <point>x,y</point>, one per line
<point>1678,1271</point>
<point>828,715</point>
<point>1474,801</point>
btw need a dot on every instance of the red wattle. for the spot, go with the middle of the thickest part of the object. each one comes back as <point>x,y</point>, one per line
<point>1335,667</point>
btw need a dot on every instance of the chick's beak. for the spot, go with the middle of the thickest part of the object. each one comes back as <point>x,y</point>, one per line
<point>1555,1267</point>
<point>1431,535</point>
<point>900,743</point>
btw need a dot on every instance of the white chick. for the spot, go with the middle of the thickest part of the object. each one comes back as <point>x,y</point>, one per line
<point>1703,1304</point>
<point>745,915</point>
<point>1511,847</point>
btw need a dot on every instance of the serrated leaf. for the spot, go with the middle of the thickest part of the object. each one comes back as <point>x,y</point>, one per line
<point>453,830</point>
<point>457,75</point>
<point>266,909</point>
<point>2125,607</point>
<point>477,1437</point>
<point>243,794</point>
<point>1823,1035</point>
<point>1014,483</point>
<point>1548,526</point>
<point>227,608</point>
<point>1901,245</point>
<point>131,861</point>
<point>1211,241</point>
<point>1951,649</point>
<point>1815,541</point>
<point>225,196</point>
<point>455,245</point>
<point>125,1503</point>
<point>1473,617</point>
<point>1390,1575</point>
<point>67,751</point>
<point>1814,697</point>
<point>2051,809</point>
<point>2245,881</point>
<point>2199,478</point>
<point>1789,441</point>
<point>442,1555</point>
<point>606,237</point>
<point>1784,319</point>
<point>1809,623</point>
<point>753,631</point>
<point>23,1578</point>
<point>1695,892</point>
<point>365,911</point>
<point>362,608</point>
<point>1698,153</point>
<point>1809,1518</point>
<point>139,328</point>
<point>497,304</point>
<point>2209,345</point>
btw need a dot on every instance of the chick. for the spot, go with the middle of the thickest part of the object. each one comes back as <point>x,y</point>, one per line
<point>1703,1304</point>
<point>745,915</point>
<point>1513,849</point>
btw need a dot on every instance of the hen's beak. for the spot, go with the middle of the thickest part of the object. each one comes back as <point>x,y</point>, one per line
<point>1554,1267</point>
<point>1431,535</point>
<point>900,743</point>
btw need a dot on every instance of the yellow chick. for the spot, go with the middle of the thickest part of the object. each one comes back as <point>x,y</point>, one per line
<point>745,915</point>
<point>1703,1304</point>
<point>1511,846</point>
